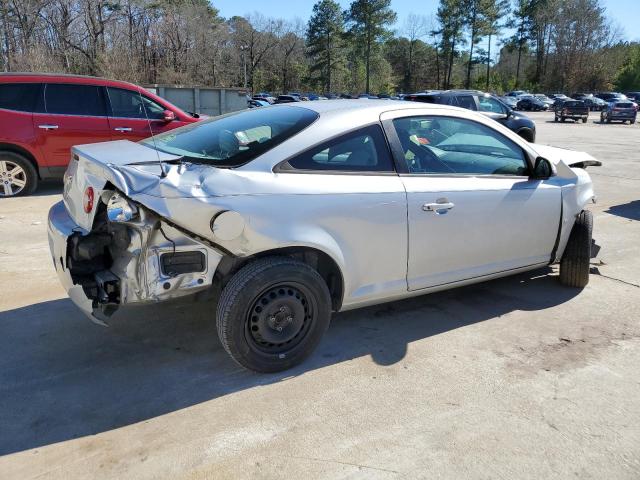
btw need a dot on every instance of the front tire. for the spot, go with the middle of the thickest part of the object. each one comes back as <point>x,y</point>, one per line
<point>574,265</point>
<point>273,313</point>
<point>18,176</point>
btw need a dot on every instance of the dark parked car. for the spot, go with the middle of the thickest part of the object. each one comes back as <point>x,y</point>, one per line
<point>635,96</point>
<point>287,99</point>
<point>485,104</point>
<point>572,109</point>
<point>619,111</point>
<point>531,104</point>
<point>610,96</point>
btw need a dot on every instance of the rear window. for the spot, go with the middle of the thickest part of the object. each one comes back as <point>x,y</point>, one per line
<point>234,139</point>
<point>573,104</point>
<point>18,96</point>
<point>72,99</point>
<point>624,105</point>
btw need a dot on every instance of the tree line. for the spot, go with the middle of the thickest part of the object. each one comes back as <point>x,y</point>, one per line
<point>566,45</point>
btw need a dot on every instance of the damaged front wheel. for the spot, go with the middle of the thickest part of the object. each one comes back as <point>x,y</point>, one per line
<point>273,313</point>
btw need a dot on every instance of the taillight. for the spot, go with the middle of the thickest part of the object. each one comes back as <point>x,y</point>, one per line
<point>88,199</point>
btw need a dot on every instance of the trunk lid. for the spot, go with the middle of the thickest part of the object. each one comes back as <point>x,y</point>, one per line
<point>93,166</point>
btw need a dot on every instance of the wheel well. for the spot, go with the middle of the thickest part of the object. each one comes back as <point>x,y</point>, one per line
<point>317,259</point>
<point>8,147</point>
<point>526,133</point>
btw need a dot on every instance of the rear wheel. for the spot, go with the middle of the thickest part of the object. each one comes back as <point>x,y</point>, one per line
<point>18,176</point>
<point>273,313</point>
<point>574,266</point>
<point>584,120</point>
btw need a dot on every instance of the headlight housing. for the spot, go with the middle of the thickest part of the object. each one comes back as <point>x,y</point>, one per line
<point>119,209</point>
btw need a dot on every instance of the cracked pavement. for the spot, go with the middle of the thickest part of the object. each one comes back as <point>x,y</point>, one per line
<point>514,378</point>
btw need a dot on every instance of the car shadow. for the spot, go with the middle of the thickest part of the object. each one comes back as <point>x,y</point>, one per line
<point>629,210</point>
<point>48,187</point>
<point>63,377</point>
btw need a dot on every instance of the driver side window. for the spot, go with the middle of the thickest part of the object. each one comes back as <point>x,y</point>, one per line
<point>488,104</point>
<point>448,145</point>
<point>130,104</point>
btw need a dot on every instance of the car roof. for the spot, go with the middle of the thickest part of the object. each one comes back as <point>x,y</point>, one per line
<point>363,105</point>
<point>62,77</point>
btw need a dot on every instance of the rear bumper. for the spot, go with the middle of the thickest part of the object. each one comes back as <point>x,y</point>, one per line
<point>60,227</point>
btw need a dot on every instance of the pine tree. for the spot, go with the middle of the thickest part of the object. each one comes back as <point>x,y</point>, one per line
<point>325,43</point>
<point>368,27</point>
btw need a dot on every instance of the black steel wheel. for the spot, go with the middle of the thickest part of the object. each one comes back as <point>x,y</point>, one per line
<point>273,313</point>
<point>280,317</point>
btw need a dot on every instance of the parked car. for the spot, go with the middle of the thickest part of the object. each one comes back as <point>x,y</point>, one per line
<point>265,96</point>
<point>511,102</point>
<point>635,96</point>
<point>594,103</point>
<point>516,93</point>
<point>287,99</point>
<point>43,115</point>
<point>619,111</point>
<point>610,96</point>
<point>485,104</point>
<point>252,103</point>
<point>531,103</point>
<point>544,99</point>
<point>571,109</point>
<point>558,96</point>
<point>130,229</point>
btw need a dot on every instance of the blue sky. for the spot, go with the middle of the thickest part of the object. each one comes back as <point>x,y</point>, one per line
<point>626,13</point>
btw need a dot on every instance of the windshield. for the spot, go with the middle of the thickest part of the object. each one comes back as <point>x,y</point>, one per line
<point>234,139</point>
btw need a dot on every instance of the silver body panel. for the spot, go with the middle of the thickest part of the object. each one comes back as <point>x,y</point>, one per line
<point>374,226</point>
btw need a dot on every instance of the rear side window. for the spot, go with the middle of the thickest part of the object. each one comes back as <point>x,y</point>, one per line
<point>465,101</point>
<point>234,139</point>
<point>130,104</point>
<point>18,96</point>
<point>364,150</point>
<point>72,99</point>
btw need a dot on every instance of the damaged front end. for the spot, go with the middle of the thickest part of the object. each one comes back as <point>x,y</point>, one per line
<point>131,256</point>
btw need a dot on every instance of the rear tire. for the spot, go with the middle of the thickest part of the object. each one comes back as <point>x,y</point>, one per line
<point>18,176</point>
<point>584,120</point>
<point>273,313</point>
<point>574,265</point>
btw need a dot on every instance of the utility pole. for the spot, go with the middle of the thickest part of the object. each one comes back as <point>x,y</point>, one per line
<point>243,49</point>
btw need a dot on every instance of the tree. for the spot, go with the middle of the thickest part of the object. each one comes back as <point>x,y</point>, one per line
<point>325,32</point>
<point>415,28</point>
<point>450,17</point>
<point>493,12</point>
<point>521,21</point>
<point>368,21</point>
<point>629,76</point>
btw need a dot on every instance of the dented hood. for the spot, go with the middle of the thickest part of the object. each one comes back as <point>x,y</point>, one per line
<point>571,158</point>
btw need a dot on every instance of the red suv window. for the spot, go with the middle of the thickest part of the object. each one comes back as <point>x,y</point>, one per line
<point>18,96</point>
<point>72,99</point>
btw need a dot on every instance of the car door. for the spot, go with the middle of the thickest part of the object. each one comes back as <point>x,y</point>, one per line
<point>493,109</point>
<point>69,114</point>
<point>473,210</point>
<point>134,116</point>
<point>354,203</point>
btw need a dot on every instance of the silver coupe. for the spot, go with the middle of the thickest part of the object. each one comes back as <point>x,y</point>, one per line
<point>293,212</point>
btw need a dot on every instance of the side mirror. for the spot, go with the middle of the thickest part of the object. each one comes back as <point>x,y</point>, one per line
<point>168,116</point>
<point>542,169</point>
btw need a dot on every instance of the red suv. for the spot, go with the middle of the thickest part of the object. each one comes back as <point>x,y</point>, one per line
<point>42,116</point>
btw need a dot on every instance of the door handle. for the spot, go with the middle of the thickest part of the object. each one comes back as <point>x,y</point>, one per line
<point>123,129</point>
<point>48,127</point>
<point>441,206</point>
